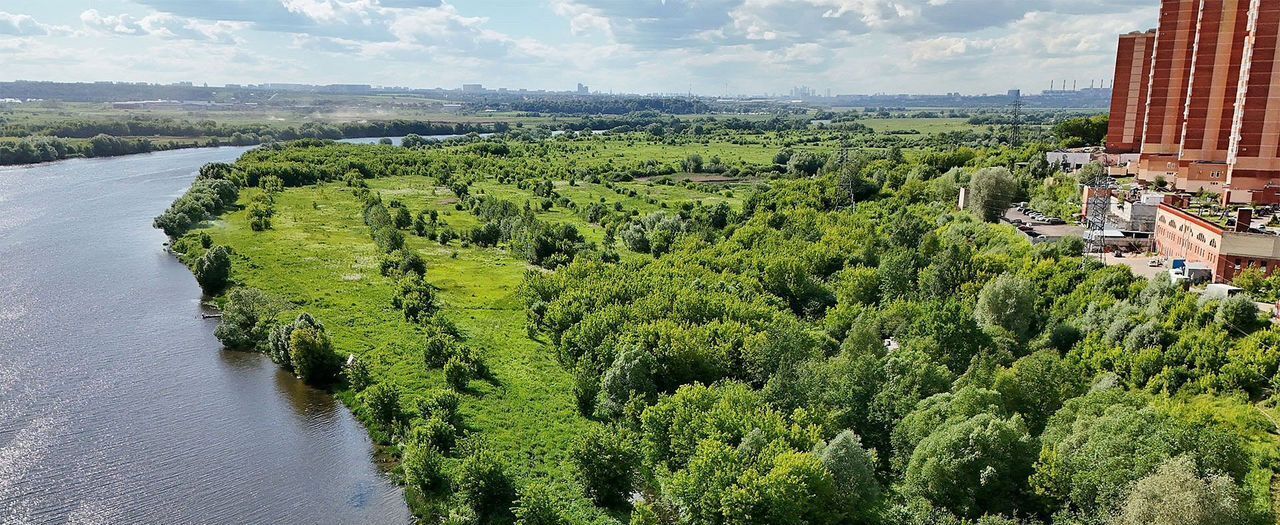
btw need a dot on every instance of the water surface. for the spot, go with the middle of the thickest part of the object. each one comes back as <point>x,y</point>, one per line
<point>116,403</point>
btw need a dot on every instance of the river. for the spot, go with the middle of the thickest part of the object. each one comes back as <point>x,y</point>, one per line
<point>117,404</point>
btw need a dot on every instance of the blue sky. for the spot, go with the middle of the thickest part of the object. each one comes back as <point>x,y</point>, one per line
<point>710,46</point>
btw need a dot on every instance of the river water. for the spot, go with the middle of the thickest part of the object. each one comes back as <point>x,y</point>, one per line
<point>117,404</point>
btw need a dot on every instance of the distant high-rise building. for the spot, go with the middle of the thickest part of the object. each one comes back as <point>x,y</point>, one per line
<point>1129,92</point>
<point>583,89</point>
<point>472,88</point>
<point>1209,120</point>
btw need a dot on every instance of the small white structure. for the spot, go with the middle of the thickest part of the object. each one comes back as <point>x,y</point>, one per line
<point>1070,160</point>
<point>1221,291</point>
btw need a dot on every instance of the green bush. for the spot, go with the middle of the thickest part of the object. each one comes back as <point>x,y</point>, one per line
<point>213,270</point>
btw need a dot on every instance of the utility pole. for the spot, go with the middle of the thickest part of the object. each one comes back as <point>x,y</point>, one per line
<point>1097,205</point>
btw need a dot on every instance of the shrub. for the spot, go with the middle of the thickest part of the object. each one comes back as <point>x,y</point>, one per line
<point>484,484</point>
<point>605,462</point>
<point>357,374</point>
<point>540,505</point>
<point>422,465</point>
<point>246,319</point>
<point>279,344</point>
<point>416,298</point>
<point>383,402</point>
<point>436,432</point>
<point>312,355</point>
<point>457,373</point>
<point>213,270</point>
<point>1007,302</point>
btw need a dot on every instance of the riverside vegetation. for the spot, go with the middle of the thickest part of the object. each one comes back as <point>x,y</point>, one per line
<point>733,326</point>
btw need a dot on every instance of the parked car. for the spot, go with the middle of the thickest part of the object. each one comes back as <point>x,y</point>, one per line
<point>1154,263</point>
<point>1056,221</point>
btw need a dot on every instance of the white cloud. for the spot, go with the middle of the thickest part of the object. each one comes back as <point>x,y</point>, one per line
<point>162,25</point>
<point>738,46</point>
<point>25,25</point>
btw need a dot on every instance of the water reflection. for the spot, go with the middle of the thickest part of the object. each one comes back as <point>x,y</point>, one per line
<point>116,403</point>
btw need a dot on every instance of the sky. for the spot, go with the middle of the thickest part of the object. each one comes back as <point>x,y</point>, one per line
<point>709,47</point>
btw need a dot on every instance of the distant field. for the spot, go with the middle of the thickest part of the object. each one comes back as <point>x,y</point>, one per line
<point>925,126</point>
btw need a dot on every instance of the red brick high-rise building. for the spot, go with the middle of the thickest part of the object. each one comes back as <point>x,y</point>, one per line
<point>1210,116</point>
<point>1210,106</point>
<point>1129,92</point>
<point>1254,160</point>
<point>1167,89</point>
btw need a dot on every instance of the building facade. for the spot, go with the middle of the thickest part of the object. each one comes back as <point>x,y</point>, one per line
<point>1167,89</point>
<point>1216,62</point>
<point>1129,92</point>
<point>1210,119</point>
<point>1226,250</point>
<point>1254,157</point>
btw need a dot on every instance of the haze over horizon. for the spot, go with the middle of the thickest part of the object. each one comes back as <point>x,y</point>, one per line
<point>711,47</point>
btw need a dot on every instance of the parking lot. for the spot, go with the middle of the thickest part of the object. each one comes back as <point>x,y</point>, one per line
<point>1040,230</point>
<point>1140,265</point>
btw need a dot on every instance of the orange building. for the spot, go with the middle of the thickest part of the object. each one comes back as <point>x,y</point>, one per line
<point>1254,160</point>
<point>1167,89</point>
<point>1210,106</point>
<point>1129,92</point>
<point>1211,113</point>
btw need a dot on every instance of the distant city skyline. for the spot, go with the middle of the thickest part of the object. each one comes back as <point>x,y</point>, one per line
<point>707,47</point>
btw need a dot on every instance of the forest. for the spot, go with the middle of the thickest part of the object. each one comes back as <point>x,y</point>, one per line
<point>706,324</point>
<point>50,141</point>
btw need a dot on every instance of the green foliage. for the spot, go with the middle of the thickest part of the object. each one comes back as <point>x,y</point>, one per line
<point>1177,494</point>
<point>846,348</point>
<point>423,468</point>
<point>1008,303</point>
<point>280,341</point>
<point>972,467</point>
<point>204,199</point>
<point>630,376</point>
<point>382,400</point>
<point>1099,444</point>
<point>853,473</point>
<point>1082,131</point>
<point>540,505</point>
<point>457,373</point>
<point>261,209</point>
<point>484,483</point>
<point>357,374</point>
<point>213,270</point>
<point>416,298</point>
<point>1037,385</point>
<point>1238,313</point>
<point>606,464</point>
<point>247,317</point>
<point>990,193</point>
<point>312,355</point>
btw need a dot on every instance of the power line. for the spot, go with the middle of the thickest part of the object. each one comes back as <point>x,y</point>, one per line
<point>1015,131</point>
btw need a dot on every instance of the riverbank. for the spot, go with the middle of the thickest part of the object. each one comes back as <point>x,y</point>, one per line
<point>39,149</point>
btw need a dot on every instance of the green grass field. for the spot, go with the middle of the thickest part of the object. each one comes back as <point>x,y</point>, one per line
<point>319,258</point>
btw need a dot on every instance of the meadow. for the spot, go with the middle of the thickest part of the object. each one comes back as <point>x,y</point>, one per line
<point>318,258</point>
